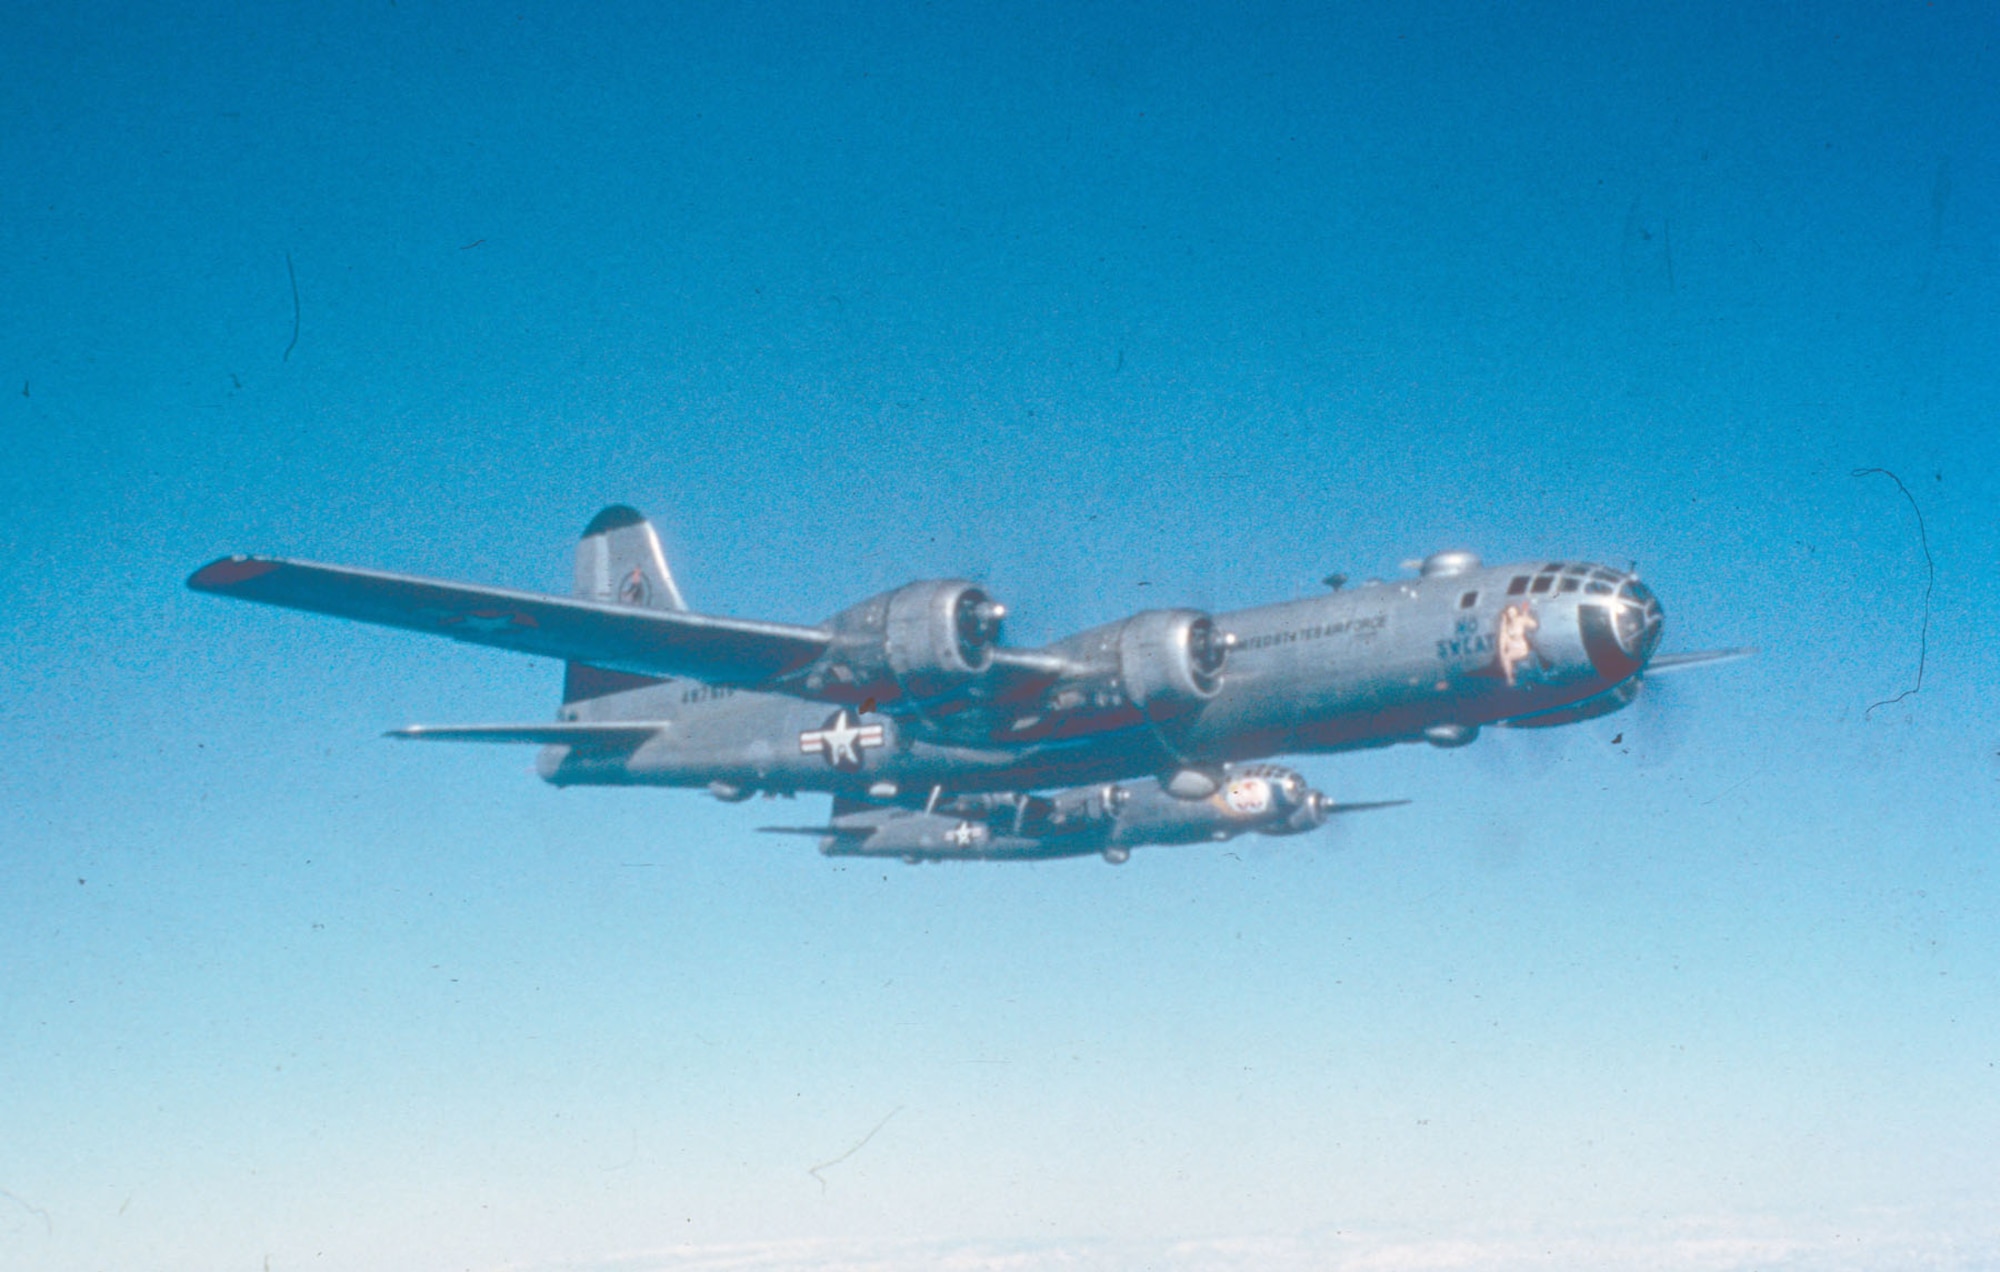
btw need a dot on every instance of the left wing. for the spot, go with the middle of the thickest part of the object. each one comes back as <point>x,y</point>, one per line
<point>646,642</point>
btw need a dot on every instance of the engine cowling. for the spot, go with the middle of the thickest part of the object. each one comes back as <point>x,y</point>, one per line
<point>1171,661</point>
<point>938,635</point>
<point>1281,799</point>
<point>920,641</point>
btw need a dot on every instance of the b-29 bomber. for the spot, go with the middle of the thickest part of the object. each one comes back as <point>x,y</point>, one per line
<point>939,742</point>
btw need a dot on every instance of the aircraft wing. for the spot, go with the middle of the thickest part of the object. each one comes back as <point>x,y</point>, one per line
<point>645,642</point>
<point>1013,679</point>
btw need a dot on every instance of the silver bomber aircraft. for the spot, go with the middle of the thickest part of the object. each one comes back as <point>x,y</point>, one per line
<point>937,742</point>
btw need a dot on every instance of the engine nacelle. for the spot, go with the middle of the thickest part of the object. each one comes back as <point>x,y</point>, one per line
<point>920,641</point>
<point>1171,661</point>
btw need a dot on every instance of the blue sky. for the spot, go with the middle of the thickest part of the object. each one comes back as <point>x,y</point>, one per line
<point>1110,306</point>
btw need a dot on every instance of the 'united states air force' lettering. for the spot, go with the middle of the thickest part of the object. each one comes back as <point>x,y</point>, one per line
<point>1366,625</point>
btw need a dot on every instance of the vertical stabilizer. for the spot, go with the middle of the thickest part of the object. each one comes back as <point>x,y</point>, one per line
<point>618,562</point>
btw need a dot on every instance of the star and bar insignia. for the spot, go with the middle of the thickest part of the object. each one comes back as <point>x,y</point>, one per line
<point>841,740</point>
<point>488,621</point>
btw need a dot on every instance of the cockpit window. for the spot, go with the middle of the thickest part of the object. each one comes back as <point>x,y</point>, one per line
<point>1637,591</point>
<point>1570,585</point>
<point>1543,582</point>
<point>1598,587</point>
<point>1577,569</point>
<point>1631,621</point>
<point>1606,575</point>
<point>1517,585</point>
<point>1552,567</point>
<point>1468,600</point>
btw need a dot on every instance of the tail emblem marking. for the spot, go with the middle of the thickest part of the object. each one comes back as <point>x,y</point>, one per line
<point>635,590</point>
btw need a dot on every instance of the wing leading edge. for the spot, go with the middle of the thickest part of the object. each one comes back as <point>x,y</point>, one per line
<point>646,642</point>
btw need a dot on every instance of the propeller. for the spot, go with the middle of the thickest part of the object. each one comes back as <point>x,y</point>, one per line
<point>1208,649</point>
<point>976,618</point>
<point>1644,722</point>
<point>1654,722</point>
<point>1358,806</point>
<point>1312,807</point>
<point>1650,729</point>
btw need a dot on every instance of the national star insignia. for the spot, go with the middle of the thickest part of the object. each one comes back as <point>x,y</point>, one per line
<point>841,740</point>
<point>488,621</point>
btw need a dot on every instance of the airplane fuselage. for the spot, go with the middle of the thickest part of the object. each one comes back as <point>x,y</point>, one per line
<point>1427,658</point>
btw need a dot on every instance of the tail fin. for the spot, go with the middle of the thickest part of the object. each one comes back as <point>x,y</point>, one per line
<point>618,562</point>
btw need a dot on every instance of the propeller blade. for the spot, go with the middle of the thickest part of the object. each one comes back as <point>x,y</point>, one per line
<point>1365,806</point>
<point>1675,662</point>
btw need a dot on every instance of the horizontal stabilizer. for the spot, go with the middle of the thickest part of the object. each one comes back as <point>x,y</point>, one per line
<point>847,832</point>
<point>644,642</point>
<point>625,733</point>
<point>1676,662</point>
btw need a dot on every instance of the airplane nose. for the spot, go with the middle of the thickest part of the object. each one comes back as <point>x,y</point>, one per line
<point>1309,812</point>
<point>1621,627</point>
<point>1641,621</point>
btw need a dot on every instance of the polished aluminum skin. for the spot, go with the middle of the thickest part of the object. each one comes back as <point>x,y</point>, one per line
<point>940,742</point>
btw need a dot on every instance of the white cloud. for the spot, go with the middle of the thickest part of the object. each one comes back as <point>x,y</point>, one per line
<point>1710,1246</point>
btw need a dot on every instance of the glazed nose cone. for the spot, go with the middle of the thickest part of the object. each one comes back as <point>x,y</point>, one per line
<point>1621,631</point>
